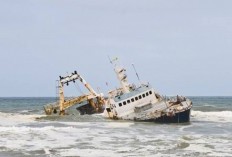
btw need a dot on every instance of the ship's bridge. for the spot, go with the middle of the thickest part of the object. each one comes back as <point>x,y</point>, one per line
<point>136,91</point>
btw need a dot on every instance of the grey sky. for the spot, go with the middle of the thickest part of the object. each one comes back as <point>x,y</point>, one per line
<point>179,46</point>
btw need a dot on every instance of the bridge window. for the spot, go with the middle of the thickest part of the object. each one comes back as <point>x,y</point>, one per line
<point>143,95</point>
<point>140,97</point>
<point>128,101</point>
<point>147,94</point>
<point>150,92</point>
<point>124,103</point>
<point>120,104</point>
<point>136,98</point>
<point>132,99</point>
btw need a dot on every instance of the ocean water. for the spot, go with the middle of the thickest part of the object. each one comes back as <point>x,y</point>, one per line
<point>26,131</point>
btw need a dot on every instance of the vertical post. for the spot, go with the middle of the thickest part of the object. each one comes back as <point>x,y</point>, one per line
<point>61,101</point>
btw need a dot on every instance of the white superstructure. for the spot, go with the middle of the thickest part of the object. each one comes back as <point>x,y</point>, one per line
<point>142,102</point>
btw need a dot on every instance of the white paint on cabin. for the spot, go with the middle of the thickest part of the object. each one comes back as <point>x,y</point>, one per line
<point>127,106</point>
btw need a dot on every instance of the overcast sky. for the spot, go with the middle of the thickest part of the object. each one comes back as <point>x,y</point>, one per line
<point>179,46</point>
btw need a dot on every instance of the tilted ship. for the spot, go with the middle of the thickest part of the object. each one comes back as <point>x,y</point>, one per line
<point>129,102</point>
<point>143,103</point>
<point>89,103</point>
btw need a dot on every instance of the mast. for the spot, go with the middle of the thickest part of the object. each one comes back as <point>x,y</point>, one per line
<point>61,100</point>
<point>121,75</point>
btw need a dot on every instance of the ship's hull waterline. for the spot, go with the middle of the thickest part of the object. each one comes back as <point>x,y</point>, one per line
<point>181,117</point>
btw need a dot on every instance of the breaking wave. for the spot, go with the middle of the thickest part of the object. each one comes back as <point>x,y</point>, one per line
<point>16,118</point>
<point>221,116</point>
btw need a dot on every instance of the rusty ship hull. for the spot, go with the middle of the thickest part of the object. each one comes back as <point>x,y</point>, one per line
<point>181,117</point>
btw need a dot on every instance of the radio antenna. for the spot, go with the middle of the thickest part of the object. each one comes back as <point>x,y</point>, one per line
<point>136,73</point>
<point>110,60</point>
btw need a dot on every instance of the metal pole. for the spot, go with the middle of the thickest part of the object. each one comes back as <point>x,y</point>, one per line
<point>136,73</point>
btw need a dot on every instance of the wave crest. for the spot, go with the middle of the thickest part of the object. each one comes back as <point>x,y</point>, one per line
<point>8,119</point>
<point>222,116</point>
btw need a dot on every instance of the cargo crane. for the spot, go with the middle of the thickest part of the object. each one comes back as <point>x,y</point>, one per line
<point>87,103</point>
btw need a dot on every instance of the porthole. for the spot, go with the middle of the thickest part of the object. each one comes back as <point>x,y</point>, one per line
<point>150,92</point>
<point>143,95</point>
<point>120,104</point>
<point>124,103</point>
<point>147,94</point>
<point>136,98</point>
<point>128,101</point>
<point>140,97</point>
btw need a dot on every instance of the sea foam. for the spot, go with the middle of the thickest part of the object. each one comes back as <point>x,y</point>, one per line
<point>222,116</point>
<point>9,119</point>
